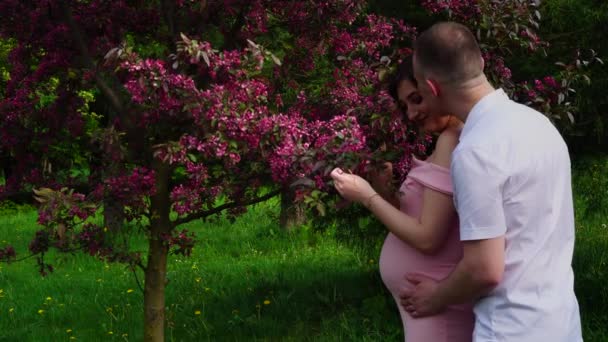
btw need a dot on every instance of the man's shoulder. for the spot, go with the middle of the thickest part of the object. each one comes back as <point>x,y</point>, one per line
<point>470,154</point>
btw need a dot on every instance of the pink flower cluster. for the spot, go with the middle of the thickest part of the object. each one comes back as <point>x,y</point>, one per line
<point>462,9</point>
<point>256,20</point>
<point>377,34</point>
<point>188,196</point>
<point>290,139</point>
<point>180,242</point>
<point>7,253</point>
<point>97,242</point>
<point>496,65</point>
<point>161,94</point>
<point>130,189</point>
<point>62,207</point>
<point>545,90</point>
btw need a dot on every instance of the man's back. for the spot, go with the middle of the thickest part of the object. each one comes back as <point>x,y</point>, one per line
<point>519,167</point>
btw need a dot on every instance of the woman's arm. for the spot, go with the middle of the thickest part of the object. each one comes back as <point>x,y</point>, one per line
<point>426,234</point>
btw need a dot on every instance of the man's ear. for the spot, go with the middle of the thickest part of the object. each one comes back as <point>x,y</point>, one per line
<point>434,86</point>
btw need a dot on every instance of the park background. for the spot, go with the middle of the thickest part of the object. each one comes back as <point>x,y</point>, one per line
<point>255,274</point>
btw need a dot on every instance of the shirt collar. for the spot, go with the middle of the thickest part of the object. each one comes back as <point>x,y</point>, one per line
<point>481,108</point>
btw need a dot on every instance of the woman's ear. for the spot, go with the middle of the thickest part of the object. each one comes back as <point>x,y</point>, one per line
<point>434,86</point>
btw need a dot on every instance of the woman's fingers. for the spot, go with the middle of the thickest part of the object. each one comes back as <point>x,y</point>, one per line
<point>336,173</point>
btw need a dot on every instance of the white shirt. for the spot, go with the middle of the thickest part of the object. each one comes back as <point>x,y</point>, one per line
<point>511,175</point>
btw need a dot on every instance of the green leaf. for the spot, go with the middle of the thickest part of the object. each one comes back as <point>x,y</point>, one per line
<point>321,208</point>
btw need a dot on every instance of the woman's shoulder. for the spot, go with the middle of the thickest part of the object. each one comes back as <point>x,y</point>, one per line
<point>446,143</point>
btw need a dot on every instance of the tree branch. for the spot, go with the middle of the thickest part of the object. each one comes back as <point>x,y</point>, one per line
<point>231,38</point>
<point>105,88</point>
<point>134,270</point>
<point>167,7</point>
<point>37,254</point>
<point>206,213</point>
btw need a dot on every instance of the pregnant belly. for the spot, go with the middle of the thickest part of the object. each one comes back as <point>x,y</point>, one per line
<point>397,258</point>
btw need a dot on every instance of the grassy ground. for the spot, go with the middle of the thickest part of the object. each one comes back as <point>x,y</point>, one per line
<point>245,281</point>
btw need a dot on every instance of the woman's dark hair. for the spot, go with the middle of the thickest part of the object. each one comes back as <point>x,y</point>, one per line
<point>405,72</point>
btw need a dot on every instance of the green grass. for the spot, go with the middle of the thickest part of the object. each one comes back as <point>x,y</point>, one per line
<point>317,287</point>
<point>591,275</point>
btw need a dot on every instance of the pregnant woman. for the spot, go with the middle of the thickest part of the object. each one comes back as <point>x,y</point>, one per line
<point>423,233</point>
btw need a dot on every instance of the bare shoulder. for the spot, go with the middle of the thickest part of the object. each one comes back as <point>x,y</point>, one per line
<point>446,143</point>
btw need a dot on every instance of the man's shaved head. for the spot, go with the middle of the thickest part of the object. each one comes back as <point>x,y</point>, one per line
<point>449,53</point>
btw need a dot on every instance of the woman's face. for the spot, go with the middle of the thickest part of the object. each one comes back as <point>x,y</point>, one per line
<point>411,102</point>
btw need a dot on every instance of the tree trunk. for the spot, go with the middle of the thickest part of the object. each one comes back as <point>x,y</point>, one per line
<point>156,270</point>
<point>113,218</point>
<point>292,214</point>
<point>113,210</point>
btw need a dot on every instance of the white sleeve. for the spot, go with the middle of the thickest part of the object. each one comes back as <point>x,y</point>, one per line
<point>478,194</point>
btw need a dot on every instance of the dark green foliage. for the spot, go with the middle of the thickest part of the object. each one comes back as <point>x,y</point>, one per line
<point>590,186</point>
<point>581,24</point>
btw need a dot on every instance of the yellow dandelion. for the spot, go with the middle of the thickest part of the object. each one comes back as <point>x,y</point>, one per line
<point>40,312</point>
<point>11,310</point>
<point>105,229</point>
<point>197,312</point>
<point>130,290</point>
<point>48,299</point>
<point>266,302</point>
<point>110,333</point>
<point>68,331</point>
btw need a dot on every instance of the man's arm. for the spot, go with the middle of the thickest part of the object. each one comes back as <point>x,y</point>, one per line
<point>478,273</point>
<point>478,186</point>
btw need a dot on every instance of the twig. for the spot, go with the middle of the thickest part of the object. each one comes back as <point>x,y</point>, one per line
<point>205,213</point>
<point>36,254</point>
<point>132,267</point>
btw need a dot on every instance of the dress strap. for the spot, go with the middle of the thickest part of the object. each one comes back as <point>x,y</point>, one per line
<point>432,176</point>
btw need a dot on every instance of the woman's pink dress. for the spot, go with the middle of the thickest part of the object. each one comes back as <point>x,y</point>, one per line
<point>397,258</point>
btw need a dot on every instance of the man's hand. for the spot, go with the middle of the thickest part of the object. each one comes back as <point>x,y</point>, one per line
<point>420,300</point>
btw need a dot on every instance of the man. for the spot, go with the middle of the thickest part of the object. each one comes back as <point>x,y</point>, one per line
<point>511,177</point>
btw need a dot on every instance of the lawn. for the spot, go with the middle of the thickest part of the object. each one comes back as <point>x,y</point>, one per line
<point>245,281</point>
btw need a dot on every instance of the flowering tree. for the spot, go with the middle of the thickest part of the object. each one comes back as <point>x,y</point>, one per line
<point>178,110</point>
<point>508,28</point>
<point>178,116</point>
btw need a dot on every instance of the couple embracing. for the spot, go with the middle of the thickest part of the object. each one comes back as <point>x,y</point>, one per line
<point>481,233</point>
